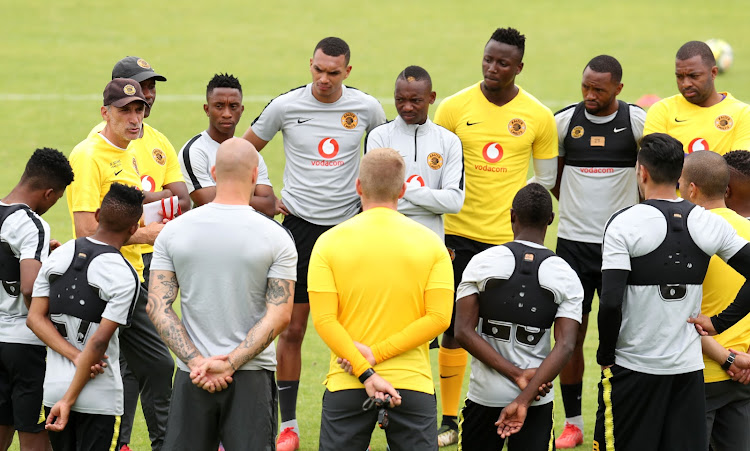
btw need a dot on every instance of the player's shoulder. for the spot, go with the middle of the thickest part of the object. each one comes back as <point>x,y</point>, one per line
<point>567,111</point>
<point>461,98</point>
<point>194,144</point>
<point>628,215</point>
<point>272,226</point>
<point>87,147</point>
<point>636,111</point>
<point>533,104</point>
<point>291,95</point>
<point>153,134</point>
<point>24,216</point>
<point>667,103</point>
<point>357,93</point>
<point>384,129</point>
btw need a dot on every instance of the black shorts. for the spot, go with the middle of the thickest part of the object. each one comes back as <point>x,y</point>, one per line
<point>586,261</point>
<point>22,369</point>
<point>305,235</point>
<point>242,417</point>
<point>461,251</point>
<point>477,430</point>
<point>344,425</point>
<point>727,415</point>
<point>646,412</point>
<point>86,431</point>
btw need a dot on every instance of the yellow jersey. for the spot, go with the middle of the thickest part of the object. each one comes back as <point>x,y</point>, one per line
<point>157,162</point>
<point>97,163</point>
<point>498,144</point>
<point>721,128</point>
<point>719,290</point>
<point>381,266</point>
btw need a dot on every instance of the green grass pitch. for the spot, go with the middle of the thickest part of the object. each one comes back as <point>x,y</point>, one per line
<point>57,57</point>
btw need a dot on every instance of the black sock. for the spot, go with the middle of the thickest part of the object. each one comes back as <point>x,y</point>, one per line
<point>288,399</point>
<point>450,421</point>
<point>571,394</point>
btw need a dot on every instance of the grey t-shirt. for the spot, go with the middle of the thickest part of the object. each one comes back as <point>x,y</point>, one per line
<point>27,235</point>
<point>655,337</point>
<point>118,285</point>
<point>322,149</point>
<point>223,256</point>
<point>486,386</point>
<point>198,156</point>
<point>589,196</point>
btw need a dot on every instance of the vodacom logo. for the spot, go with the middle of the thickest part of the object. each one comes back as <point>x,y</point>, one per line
<point>147,183</point>
<point>415,180</point>
<point>492,152</point>
<point>328,148</point>
<point>697,144</point>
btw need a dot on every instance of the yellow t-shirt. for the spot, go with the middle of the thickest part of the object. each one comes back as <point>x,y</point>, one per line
<point>719,290</point>
<point>381,266</point>
<point>97,163</point>
<point>720,128</point>
<point>157,162</point>
<point>498,145</point>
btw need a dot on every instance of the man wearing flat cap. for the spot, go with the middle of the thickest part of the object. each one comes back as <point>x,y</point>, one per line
<point>98,161</point>
<point>147,367</point>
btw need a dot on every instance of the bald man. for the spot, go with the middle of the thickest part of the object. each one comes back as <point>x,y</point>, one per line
<point>704,181</point>
<point>237,289</point>
<point>381,330</point>
<point>738,192</point>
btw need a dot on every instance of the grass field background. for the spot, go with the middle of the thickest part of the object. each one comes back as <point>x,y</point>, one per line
<point>57,57</point>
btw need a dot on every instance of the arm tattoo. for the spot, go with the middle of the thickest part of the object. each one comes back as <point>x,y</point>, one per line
<point>166,321</point>
<point>278,291</point>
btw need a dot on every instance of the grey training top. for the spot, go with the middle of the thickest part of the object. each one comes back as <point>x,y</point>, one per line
<point>223,256</point>
<point>322,149</point>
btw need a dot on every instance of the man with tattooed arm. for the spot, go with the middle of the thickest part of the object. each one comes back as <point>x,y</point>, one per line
<point>236,287</point>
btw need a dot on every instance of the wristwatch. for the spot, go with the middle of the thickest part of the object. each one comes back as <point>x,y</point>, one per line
<point>730,360</point>
<point>369,372</point>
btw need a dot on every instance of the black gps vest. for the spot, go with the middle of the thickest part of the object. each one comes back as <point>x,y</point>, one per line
<point>616,144</point>
<point>678,261</point>
<point>10,266</point>
<point>71,293</point>
<point>519,299</point>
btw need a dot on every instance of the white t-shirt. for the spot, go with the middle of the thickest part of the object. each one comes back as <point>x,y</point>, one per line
<point>198,156</point>
<point>118,286</point>
<point>655,337</point>
<point>589,196</point>
<point>487,386</point>
<point>27,235</point>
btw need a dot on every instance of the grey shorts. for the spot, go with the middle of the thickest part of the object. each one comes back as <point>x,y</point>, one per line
<point>344,425</point>
<point>242,417</point>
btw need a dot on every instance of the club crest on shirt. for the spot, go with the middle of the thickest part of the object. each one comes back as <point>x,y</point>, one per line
<point>135,166</point>
<point>577,132</point>
<point>724,122</point>
<point>517,127</point>
<point>435,160</point>
<point>349,120</point>
<point>129,89</point>
<point>142,62</point>
<point>159,156</point>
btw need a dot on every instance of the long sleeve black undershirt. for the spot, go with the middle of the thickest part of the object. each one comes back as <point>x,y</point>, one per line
<point>614,282</point>
<point>740,307</point>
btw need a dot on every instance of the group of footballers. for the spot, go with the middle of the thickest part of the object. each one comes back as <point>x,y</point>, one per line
<point>86,327</point>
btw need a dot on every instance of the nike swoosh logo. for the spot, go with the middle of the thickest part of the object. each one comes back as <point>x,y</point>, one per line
<point>677,120</point>
<point>301,121</point>
<point>284,388</point>
<point>118,172</point>
<point>447,377</point>
<point>472,123</point>
<point>618,130</point>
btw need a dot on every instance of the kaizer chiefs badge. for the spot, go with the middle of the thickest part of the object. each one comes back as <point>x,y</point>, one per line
<point>130,90</point>
<point>435,160</point>
<point>724,122</point>
<point>142,62</point>
<point>577,132</point>
<point>349,120</point>
<point>517,127</point>
<point>159,156</point>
